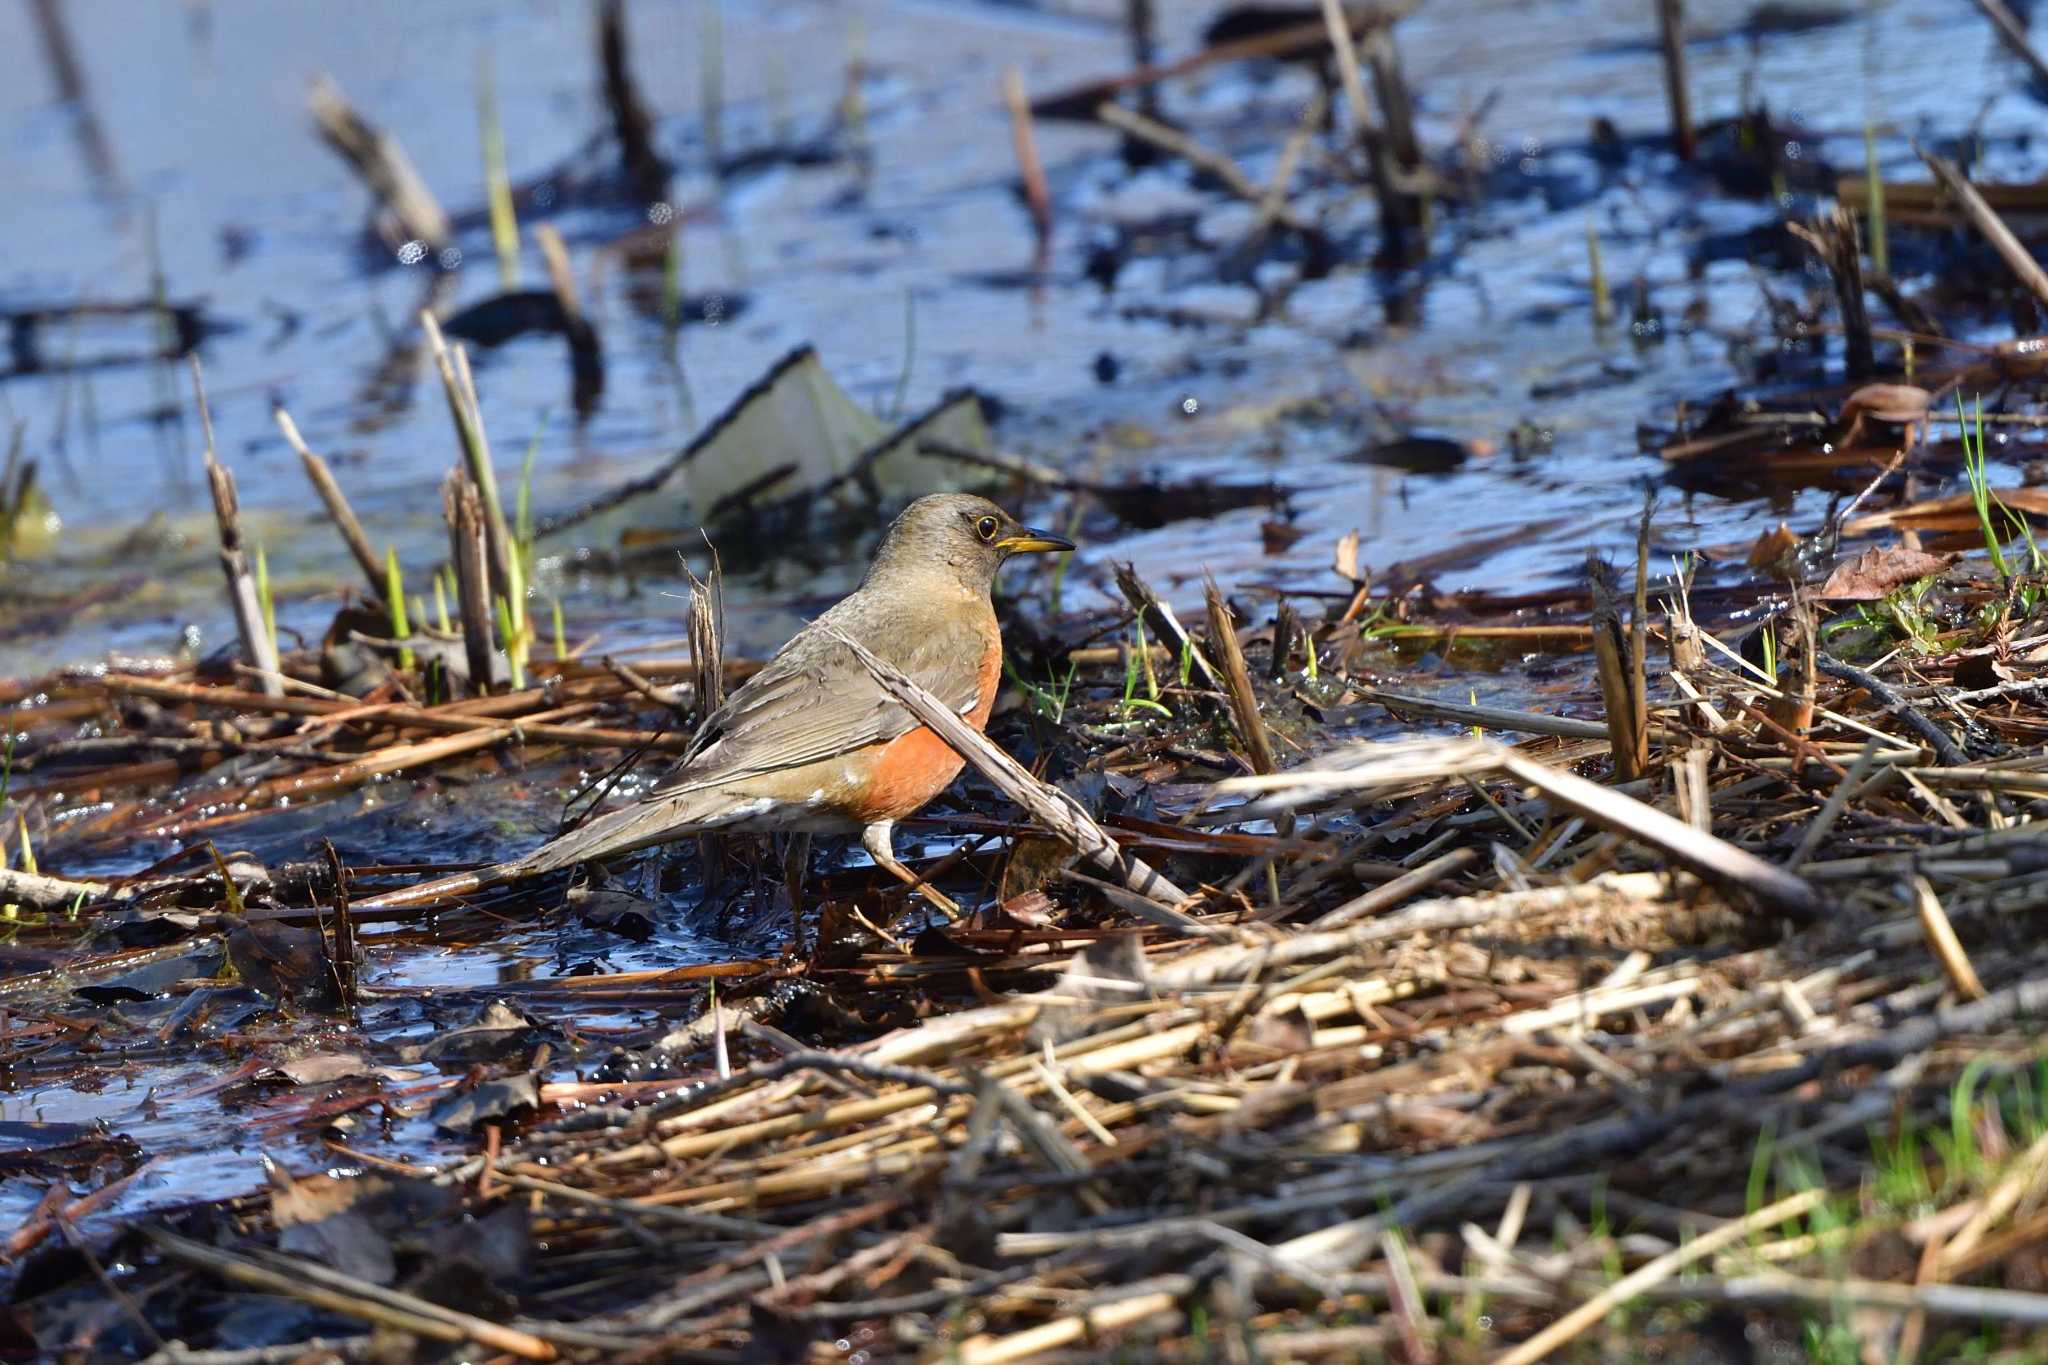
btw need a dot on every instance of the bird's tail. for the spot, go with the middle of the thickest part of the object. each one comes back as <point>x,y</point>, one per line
<point>641,825</point>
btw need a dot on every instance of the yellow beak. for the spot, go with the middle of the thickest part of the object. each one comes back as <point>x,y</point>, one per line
<point>1028,541</point>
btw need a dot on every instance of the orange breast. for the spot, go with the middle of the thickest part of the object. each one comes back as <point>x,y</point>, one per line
<point>907,772</point>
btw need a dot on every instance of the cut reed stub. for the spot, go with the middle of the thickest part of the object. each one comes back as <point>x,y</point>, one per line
<point>462,508</point>
<point>1628,722</point>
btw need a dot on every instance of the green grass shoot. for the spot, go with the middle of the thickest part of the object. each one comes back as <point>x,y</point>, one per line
<point>497,181</point>
<point>1137,671</point>
<point>512,633</point>
<point>561,635</point>
<point>264,600</point>
<point>394,597</point>
<point>1981,496</point>
<point>1603,301</point>
<point>1873,197</point>
<point>1049,701</point>
<point>1060,564</point>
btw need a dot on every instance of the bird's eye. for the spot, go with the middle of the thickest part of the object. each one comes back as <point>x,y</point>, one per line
<point>987,527</point>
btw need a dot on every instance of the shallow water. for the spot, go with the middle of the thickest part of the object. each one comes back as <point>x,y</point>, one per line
<point>183,141</point>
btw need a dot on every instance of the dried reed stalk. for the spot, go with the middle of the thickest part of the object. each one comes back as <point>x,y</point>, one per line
<point>462,509</point>
<point>1237,682</point>
<point>460,389</point>
<point>1030,170</point>
<point>1989,225</point>
<point>336,503</point>
<point>1677,92</point>
<point>257,645</point>
<point>1628,721</point>
<point>382,165</point>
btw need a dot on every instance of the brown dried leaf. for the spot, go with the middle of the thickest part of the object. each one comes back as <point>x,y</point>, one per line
<point>1771,547</point>
<point>1878,570</point>
<point>1887,403</point>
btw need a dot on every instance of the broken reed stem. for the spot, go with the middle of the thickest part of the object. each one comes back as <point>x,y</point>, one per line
<point>382,164</point>
<point>2014,33</point>
<point>1141,21</point>
<point>1030,170</point>
<point>1942,941</point>
<point>1988,224</point>
<point>1628,728</point>
<point>1237,680</point>
<point>1639,634</point>
<point>258,647</point>
<point>336,503</point>
<point>563,280</point>
<point>630,121</point>
<point>1345,48</point>
<point>1173,140</point>
<point>342,954</point>
<point>1397,107</point>
<point>1165,625</point>
<point>707,640</point>
<point>463,510</point>
<point>1289,162</point>
<point>711,79</point>
<point>460,388</point>
<point>1833,238</point>
<point>1671,40</point>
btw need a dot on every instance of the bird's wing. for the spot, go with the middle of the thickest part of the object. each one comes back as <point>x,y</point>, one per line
<point>815,701</point>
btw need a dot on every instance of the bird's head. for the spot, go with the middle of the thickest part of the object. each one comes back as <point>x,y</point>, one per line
<point>965,536</point>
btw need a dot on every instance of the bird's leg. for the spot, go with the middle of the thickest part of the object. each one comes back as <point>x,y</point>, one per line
<point>796,865</point>
<point>876,839</point>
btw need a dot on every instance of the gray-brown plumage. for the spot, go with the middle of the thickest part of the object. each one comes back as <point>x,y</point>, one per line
<point>811,743</point>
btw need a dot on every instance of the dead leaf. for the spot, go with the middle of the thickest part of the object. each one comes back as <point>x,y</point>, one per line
<point>1899,403</point>
<point>1878,570</point>
<point>1771,547</point>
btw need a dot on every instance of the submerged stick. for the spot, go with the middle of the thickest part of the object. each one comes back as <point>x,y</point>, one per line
<point>1050,806</point>
<point>257,645</point>
<point>336,502</point>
